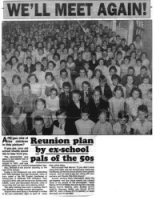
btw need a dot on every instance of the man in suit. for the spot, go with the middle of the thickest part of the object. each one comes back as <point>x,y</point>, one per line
<point>74,111</point>
<point>96,104</point>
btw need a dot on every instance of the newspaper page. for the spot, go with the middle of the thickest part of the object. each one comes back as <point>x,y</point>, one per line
<point>71,71</point>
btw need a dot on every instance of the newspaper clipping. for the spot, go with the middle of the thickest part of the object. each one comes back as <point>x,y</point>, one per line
<point>71,70</point>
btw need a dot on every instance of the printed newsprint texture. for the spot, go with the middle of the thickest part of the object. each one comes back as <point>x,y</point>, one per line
<point>70,70</point>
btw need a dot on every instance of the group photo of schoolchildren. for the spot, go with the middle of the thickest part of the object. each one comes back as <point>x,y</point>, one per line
<point>74,78</point>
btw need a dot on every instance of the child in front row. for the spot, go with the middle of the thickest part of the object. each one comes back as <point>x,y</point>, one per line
<point>103,127</point>
<point>84,125</point>
<point>142,126</point>
<point>122,127</point>
<point>18,121</point>
<point>41,111</point>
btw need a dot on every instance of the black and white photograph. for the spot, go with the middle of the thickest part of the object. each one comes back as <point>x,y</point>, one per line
<point>77,77</point>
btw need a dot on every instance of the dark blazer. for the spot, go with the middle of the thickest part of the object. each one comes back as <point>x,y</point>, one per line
<point>32,68</point>
<point>73,114</point>
<point>95,109</point>
<point>107,91</point>
<point>89,96</point>
<point>65,100</point>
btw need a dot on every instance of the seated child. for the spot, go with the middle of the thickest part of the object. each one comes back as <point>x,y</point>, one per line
<point>40,110</point>
<point>116,103</point>
<point>59,125</point>
<point>52,101</point>
<point>84,125</point>
<point>18,121</point>
<point>66,96</point>
<point>142,126</point>
<point>86,93</point>
<point>148,102</point>
<point>145,86</point>
<point>122,127</point>
<point>102,127</point>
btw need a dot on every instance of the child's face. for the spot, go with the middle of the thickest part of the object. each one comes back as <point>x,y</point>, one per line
<point>38,67</point>
<point>145,80</point>
<point>14,61</point>
<point>84,116</point>
<point>139,63</point>
<point>143,72</point>
<point>8,67</point>
<point>16,81</point>
<point>118,94</point>
<point>112,71</point>
<point>53,94</point>
<point>50,66</point>
<point>98,74</point>
<point>126,61</point>
<point>38,126</point>
<point>48,79</point>
<point>122,121</point>
<point>131,71</point>
<point>96,96</point>
<point>75,98</point>
<point>102,83</point>
<point>102,118</point>
<point>29,61</point>
<point>135,94</point>
<point>64,75</point>
<point>66,89</point>
<point>32,79</point>
<point>101,62</point>
<point>115,82</point>
<point>82,73</point>
<point>21,68</point>
<point>26,90</point>
<point>61,118</point>
<point>16,111</point>
<point>141,115</point>
<point>130,80</point>
<point>86,66</point>
<point>85,87</point>
<point>40,105</point>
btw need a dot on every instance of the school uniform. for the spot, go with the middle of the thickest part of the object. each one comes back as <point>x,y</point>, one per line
<point>60,129</point>
<point>94,108</point>
<point>73,114</point>
<point>65,100</point>
<point>105,91</point>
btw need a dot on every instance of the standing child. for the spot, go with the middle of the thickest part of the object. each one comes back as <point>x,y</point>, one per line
<point>102,127</point>
<point>18,121</point>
